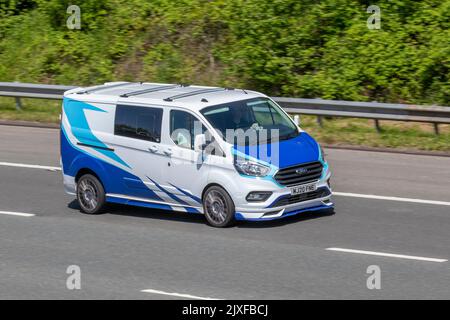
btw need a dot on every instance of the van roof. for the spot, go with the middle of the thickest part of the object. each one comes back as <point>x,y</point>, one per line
<point>162,94</point>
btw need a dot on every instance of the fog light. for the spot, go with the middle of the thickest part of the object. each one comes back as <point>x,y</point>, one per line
<point>258,196</point>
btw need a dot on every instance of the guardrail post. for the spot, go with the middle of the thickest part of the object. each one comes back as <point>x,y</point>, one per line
<point>377,125</point>
<point>18,104</point>
<point>436,128</point>
<point>319,121</point>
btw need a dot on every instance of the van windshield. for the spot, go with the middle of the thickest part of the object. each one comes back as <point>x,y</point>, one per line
<point>259,118</point>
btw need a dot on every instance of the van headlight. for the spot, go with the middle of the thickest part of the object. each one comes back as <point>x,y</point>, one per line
<point>250,168</point>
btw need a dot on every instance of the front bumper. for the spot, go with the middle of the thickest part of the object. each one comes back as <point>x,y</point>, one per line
<point>286,211</point>
<point>270,211</point>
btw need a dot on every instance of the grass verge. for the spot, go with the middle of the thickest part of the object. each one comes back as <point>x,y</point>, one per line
<point>39,110</point>
<point>394,134</point>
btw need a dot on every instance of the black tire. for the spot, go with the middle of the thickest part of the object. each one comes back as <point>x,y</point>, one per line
<point>90,194</point>
<point>218,207</point>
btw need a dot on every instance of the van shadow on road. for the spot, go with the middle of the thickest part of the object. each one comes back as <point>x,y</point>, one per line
<point>147,213</point>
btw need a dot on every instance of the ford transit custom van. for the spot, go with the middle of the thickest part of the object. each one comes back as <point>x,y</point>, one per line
<point>230,154</point>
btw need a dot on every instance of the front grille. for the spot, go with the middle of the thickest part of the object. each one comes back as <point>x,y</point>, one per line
<point>292,176</point>
<point>319,193</point>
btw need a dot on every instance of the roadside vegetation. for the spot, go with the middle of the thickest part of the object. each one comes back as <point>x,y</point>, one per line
<point>310,49</point>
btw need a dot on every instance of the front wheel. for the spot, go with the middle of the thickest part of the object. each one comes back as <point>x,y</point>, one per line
<point>90,194</point>
<point>218,207</point>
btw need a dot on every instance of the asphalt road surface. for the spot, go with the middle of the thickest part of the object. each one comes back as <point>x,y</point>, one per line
<point>177,256</point>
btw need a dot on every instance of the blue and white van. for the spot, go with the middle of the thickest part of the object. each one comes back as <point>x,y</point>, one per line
<point>229,154</point>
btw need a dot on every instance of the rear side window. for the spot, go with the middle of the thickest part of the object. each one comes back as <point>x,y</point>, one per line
<point>138,122</point>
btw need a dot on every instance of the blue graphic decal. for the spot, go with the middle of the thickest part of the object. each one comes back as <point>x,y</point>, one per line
<point>174,197</point>
<point>74,111</point>
<point>112,177</point>
<point>188,194</point>
<point>192,210</point>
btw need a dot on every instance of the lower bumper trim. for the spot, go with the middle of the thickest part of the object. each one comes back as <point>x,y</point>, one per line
<point>239,216</point>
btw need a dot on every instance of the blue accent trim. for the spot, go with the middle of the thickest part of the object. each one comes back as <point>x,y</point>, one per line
<point>268,177</point>
<point>187,194</point>
<point>239,216</point>
<point>174,197</point>
<point>74,111</point>
<point>146,204</point>
<point>139,203</point>
<point>192,210</point>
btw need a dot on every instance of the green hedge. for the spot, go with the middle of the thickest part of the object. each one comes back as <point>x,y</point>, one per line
<point>282,47</point>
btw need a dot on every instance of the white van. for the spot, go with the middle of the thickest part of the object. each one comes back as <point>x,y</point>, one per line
<point>229,154</point>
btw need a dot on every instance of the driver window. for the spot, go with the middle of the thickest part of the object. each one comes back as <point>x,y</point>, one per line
<point>183,128</point>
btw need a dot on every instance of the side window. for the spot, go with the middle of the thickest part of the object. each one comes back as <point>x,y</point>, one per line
<point>183,128</point>
<point>138,122</point>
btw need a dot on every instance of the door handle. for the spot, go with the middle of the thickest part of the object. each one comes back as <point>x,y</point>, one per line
<point>168,152</point>
<point>153,149</point>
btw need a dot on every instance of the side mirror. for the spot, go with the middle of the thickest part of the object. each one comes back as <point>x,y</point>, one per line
<point>297,119</point>
<point>200,142</point>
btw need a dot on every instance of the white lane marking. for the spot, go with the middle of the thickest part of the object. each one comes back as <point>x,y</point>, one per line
<point>20,214</point>
<point>369,196</point>
<point>32,166</point>
<point>342,194</point>
<point>390,255</point>
<point>180,295</point>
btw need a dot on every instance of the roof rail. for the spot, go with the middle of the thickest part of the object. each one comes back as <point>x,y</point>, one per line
<point>194,93</point>
<point>153,89</point>
<point>104,87</point>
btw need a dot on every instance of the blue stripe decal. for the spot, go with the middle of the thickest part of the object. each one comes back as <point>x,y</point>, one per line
<point>139,203</point>
<point>192,210</point>
<point>187,194</point>
<point>174,197</point>
<point>74,111</point>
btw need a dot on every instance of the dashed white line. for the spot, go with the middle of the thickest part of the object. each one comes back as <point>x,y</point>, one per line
<point>31,166</point>
<point>369,196</point>
<point>390,255</point>
<point>179,295</point>
<point>20,214</point>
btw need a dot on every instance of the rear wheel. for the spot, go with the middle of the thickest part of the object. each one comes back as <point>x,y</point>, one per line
<point>90,194</point>
<point>218,207</point>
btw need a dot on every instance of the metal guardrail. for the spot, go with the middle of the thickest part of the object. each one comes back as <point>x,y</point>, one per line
<point>318,107</point>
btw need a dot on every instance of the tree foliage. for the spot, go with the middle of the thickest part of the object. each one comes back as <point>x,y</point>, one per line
<point>282,47</point>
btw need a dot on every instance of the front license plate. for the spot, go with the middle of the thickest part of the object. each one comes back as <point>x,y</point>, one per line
<point>303,189</point>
